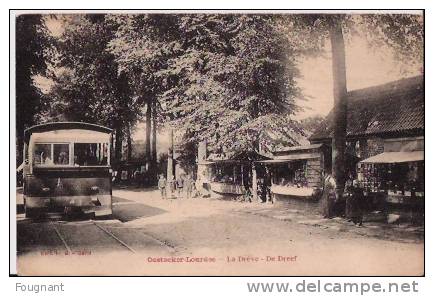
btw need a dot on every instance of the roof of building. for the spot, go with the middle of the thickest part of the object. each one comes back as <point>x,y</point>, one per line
<point>297,148</point>
<point>240,156</point>
<point>395,107</point>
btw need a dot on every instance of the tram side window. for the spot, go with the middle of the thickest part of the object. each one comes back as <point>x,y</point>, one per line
<point>90,154</point>
<point>61,154</point>
<point>42,154</point>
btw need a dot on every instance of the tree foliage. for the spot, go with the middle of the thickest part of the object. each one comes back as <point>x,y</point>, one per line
<point>402,33</point>
<point>312,123</point>
<point>88,84</point>
<point>32,43</point>
<point>229,79</point>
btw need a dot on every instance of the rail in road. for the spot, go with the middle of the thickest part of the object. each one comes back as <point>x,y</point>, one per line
<point>56,226</point>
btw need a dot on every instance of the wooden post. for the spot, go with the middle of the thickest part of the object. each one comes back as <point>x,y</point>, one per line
<point>235,173</point>
<point>254,183</point>
<point>242,175</point>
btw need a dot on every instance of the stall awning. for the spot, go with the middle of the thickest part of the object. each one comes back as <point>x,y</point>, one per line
<point>395,157</point>
<point>293,157</point>
<point>206,162</point>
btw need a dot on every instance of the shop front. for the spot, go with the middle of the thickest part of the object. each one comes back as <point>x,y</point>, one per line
<point>395,179</point>
<point>229,177</point>
<point>297,172</point>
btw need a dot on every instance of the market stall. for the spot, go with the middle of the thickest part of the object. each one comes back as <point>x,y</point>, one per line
<point>399,176</point>
<point>297,171</point>
<point>231,175</point>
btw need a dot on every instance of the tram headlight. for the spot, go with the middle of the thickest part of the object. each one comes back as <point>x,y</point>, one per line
<point>45,189</point>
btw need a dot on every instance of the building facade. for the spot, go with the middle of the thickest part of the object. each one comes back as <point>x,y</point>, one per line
<point>385,140</point>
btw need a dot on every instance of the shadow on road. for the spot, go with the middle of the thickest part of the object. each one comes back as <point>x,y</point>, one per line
<point>133,188</point>
<point>130,211</point>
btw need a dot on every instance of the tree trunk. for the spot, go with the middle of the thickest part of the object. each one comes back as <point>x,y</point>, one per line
<point>148,133</point>
<point>154,132</point>
<point>170,164</point>
<point>129,145</point>
<point>118,144</point>
<point>340,105</point>
<point>153,164</point>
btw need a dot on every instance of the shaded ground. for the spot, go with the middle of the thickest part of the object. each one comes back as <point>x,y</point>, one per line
<point>249,233</point>
<point>126,210</point>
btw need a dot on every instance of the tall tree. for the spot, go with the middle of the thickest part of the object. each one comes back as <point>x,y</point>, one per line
<point>231,75</point>
<point>154,136</point>
<point>129,142</point>
<point>340,102</point>
<point>89,85</point>
<point>148,129</point>
<point>142,47</point>
<point>403,33</point>
<point>32,42</point>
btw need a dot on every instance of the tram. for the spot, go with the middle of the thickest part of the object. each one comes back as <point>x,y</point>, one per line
<point>66,169</point>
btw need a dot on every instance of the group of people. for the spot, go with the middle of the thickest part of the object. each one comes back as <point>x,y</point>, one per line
<point>349,205</point>
<point>177,187</point>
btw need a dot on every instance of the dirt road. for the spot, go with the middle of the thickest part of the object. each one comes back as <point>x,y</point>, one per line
<point>151,236</point>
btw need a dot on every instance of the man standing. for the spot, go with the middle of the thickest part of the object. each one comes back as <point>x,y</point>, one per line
<point>179,185</point>
<point>354,201</point>
<point>172,186</point>
<point>189,183</point>
<point>137,177</point>
<point>162,186</point>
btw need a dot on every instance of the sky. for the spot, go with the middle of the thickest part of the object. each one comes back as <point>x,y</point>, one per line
<point>365,67</point>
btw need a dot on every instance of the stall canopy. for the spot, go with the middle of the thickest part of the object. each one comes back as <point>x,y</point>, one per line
<point>289,158</point>
<point>236,157</point>
<point>395,157</point>
<point>299,148</point>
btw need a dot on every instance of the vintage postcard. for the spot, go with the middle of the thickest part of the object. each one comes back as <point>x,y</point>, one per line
<point>223,143</point>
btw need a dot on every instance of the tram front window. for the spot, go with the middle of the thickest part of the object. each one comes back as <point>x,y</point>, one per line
<point>42,154</point>
<point>61,154</point>
<point>90,154</point>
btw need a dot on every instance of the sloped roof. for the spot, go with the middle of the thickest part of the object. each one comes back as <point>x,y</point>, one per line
<point>240,156</point>
<point>394,107</point>
<point>298,148</point>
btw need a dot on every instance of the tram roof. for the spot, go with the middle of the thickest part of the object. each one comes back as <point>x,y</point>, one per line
<point>51,126</point>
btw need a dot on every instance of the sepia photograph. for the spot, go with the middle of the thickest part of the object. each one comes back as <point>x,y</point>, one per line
<point>219,143</point>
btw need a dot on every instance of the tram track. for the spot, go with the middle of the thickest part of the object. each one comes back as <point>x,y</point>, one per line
<point>114,237</point>
<point>163,243</point>
<point>103,229</point>
<point>60,233</point>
